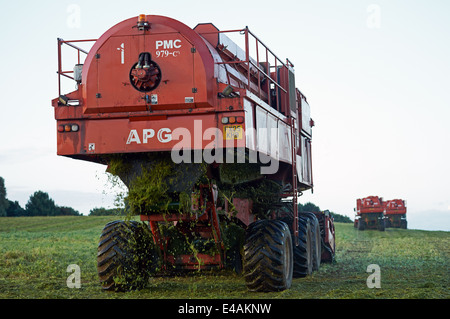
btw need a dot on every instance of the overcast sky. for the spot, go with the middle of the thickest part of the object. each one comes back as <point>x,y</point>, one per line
<point>376,74</point>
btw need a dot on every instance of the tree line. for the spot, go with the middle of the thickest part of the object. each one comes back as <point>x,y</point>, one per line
<point>307,207</point>
<point>310,207</point>
<point>40,204</point>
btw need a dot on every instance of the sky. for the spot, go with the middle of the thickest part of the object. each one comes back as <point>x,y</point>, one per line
<point>376,74</point>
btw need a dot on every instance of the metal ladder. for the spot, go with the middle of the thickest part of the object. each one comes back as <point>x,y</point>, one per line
<point>294,179</point>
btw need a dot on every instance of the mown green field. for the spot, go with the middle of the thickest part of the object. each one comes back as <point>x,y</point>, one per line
<point>36,251</point>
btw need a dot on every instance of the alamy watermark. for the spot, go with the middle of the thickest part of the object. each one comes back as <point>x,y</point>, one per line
<point>373,20</point>
<point>374,279</point>
<point>73,20</point>
<point>74,280</point>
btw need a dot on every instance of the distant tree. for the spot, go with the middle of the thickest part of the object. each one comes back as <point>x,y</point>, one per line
<point>15,210</point>
<point>3,201</point>
<point>104,212</point>
<point>338,218</point>
<point>308,207</point>
<point>40,204</point>
<point>66,211</point>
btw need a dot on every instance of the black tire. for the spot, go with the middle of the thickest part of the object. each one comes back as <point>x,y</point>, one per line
<point>125,256</point>
<point>361,224</point>
<point>268,256</point>
<point>403,224</point>
<point>381,225</point>
<point>303,253</point>
<point>330,258</point>
<point>316,242</point>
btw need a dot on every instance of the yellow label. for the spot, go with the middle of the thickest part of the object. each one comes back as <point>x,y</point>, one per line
<point>231,132</point>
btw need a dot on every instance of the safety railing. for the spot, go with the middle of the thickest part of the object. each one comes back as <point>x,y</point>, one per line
<point>253,66</point>
<point>80,51</point>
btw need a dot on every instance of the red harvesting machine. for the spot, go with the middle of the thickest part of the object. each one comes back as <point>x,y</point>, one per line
<point>213,142</point>
<point>395,213</point>
<point>369,213</point>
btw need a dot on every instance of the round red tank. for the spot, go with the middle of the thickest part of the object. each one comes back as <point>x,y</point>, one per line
<point>186,67</point>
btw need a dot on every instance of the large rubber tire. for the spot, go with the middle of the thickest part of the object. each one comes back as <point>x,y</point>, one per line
<point>361,224</point>
<point>303,252</point>
<point>381,225</point>
<point>329,256</point>
<point>268,256</point>
<point>316,239</point>
<point>125,256</point>
<point>403,224</point>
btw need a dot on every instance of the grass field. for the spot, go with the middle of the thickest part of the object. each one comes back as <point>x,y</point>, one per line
<point>35,253</point>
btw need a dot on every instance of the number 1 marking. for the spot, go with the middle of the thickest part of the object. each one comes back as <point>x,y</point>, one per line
<point>122,53</point>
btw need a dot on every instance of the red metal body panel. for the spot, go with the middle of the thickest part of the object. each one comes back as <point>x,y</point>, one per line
<point>205,223</point>
<point>196,66</point>
<point>370,213</point>
<point>395,213</point>
<point>395,207</point>
<point>191,262</point>
<point>145,135</point>
<point>177,68</point>
<point>244,208</point>
<point>370,204</point>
